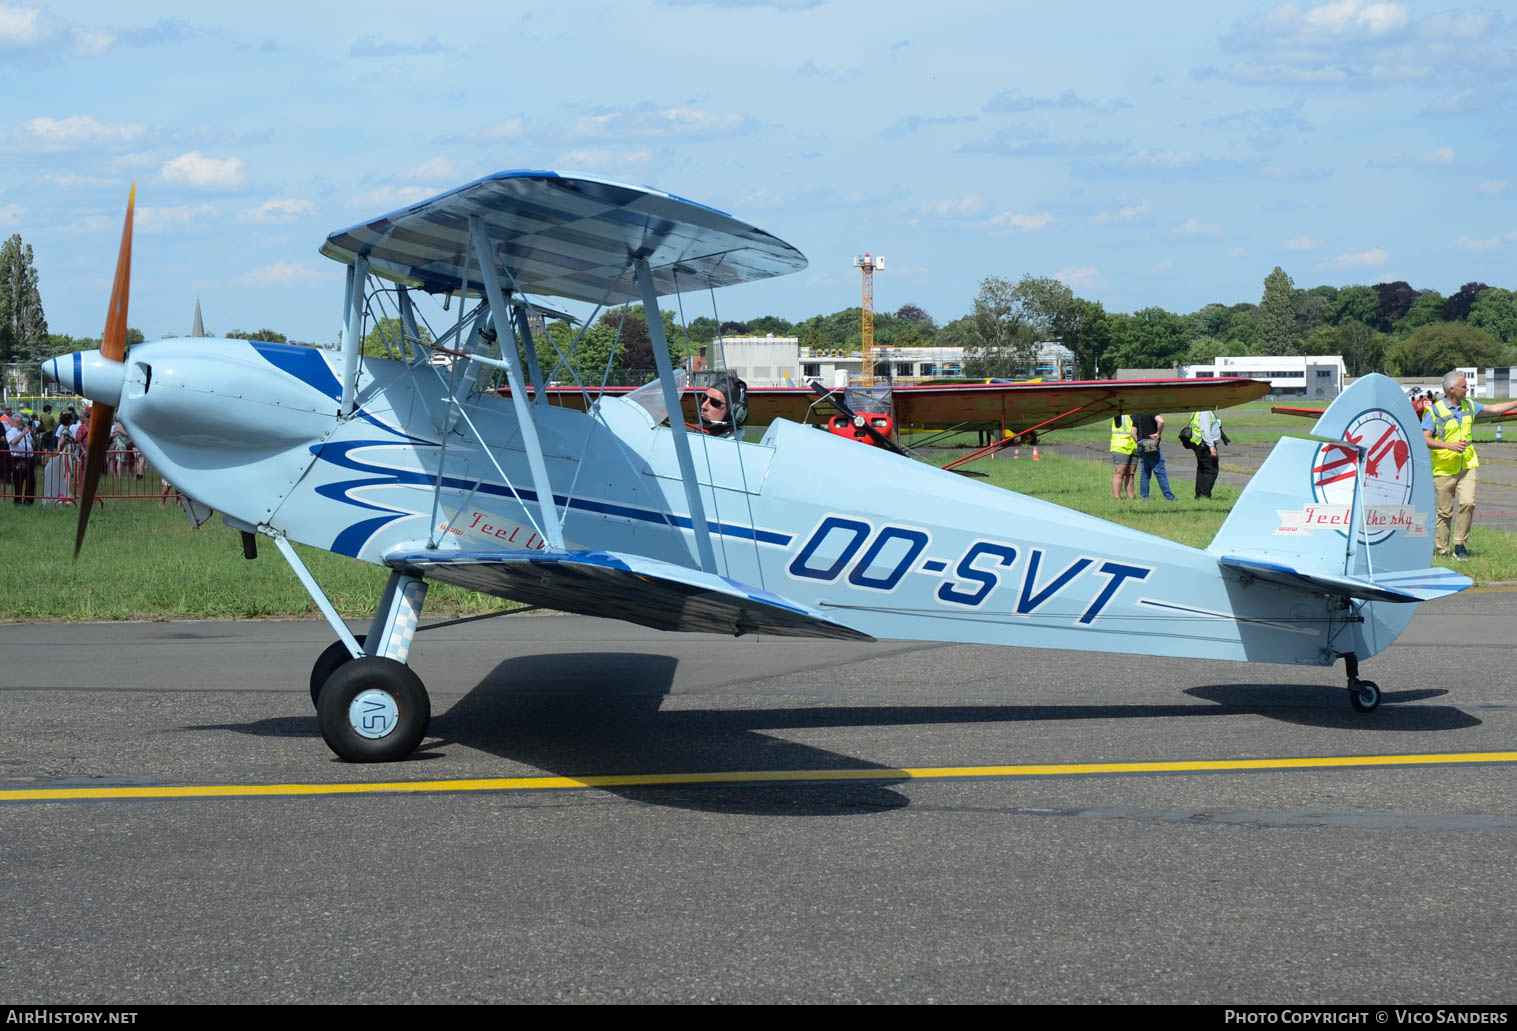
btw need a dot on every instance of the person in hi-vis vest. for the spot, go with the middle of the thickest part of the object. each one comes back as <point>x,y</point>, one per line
<point>1446,425</point>
<point>1124,456</point>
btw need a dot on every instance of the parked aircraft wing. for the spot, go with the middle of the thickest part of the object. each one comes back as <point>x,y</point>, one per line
<point>568,235</point>
<point>1063,404</point>
<point>639,590</point>
<point>1047,406</point>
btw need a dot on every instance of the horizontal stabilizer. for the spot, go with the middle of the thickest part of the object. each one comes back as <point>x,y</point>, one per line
<point>628,587</point>
<point>1403,585</point>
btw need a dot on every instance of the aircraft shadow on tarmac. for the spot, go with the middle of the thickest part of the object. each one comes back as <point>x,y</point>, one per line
<point>1314,705</point>
<point>583,714</point>
<point>578,714</point>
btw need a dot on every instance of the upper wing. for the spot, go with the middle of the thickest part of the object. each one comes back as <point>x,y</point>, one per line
<point>564,236</point>
<point>630,587</point>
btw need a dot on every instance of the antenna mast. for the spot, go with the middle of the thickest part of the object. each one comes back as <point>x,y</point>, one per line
<point>867,265</point>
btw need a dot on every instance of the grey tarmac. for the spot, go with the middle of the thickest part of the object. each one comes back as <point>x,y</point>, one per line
<point>1311,885</point>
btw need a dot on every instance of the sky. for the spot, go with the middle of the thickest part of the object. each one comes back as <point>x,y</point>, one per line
<point>1146,154</point>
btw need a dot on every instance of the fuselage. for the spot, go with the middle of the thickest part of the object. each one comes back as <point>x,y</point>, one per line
<point>889,546</point>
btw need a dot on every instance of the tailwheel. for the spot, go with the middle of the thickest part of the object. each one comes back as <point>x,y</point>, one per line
<point>373,710</point>
<point>336,656</point>
<point>1364,695</point>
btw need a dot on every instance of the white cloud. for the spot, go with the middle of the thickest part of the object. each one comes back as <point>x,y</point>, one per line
<point>1236,252</point>
<point>1347,19</point>
<point>11,213</point>
<point>510,129</point>
<point>1368,42</point>
<point>281,273</point>
<point>956,207</point>
<point>1495,186</point>
<point>649,122</point>
<point>71,180</point>
<point>763,197</point>
<point>1375,257</point>
<point>1441,156</point>
<point>1166,158</point>
<point>1160,267</point>
<point>1467,25</point>
<point>136,159</point>
<point>1083,276</point>
<point>77,131</point>
<point>1021,223</point>
<point>1133,213</point>
<point>1489,243</point>
<point>89,43</point>
<point>1195,227</point>
<point>593,157</point>
<point>203,173</point>
<point>29,29</point>
<point>278,210</point>
<point>1301,243</point>
<point>22,27</point>
<point>156,220</point>
<point>388,198</point>
<point>435,168</point>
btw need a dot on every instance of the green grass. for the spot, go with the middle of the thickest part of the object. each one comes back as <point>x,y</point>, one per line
<point>141,561</point>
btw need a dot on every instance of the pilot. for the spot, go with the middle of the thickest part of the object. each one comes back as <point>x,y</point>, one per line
<point>724,407</point>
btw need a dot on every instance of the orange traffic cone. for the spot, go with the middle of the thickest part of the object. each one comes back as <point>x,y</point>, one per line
<point>1016,452</point>
<point>1035,452</point>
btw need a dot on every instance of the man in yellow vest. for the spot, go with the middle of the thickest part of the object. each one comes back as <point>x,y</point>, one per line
<point>1446,425</point>
<point>1124,456</point>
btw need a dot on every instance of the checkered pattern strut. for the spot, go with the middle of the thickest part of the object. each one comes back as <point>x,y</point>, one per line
<point>404,612</point>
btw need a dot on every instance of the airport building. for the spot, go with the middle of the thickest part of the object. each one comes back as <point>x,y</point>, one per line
<point>778,361</point>
<point>1317,376</point>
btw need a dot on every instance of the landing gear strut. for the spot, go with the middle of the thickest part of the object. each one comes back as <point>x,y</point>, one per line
<point>370,706</point>
<point>1363,695</point>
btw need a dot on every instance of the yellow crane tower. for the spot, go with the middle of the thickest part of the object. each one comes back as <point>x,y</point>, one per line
<point>868,264</point>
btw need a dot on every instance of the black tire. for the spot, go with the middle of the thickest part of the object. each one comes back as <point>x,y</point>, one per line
<point>1364,695</point>
<point>400,713</point>
<point>327,663</point>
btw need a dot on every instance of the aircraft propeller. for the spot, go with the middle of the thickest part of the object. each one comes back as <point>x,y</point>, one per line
<point>835,398</point>
<point>113,348</point>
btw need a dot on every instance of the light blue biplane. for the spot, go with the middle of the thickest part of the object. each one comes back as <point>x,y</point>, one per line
<point>412,463</point>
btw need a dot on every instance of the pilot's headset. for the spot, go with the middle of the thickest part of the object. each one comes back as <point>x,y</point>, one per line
<point>736,392</point>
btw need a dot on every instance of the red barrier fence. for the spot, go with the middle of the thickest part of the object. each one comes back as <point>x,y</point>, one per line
<point>55,477</point>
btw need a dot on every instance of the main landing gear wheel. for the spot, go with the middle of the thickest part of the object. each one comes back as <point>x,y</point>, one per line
<point>1364,695</point>
<point>336,656</point>
<point>373,710</point>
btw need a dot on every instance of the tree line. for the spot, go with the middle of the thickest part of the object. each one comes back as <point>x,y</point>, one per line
<point>1388,327</point>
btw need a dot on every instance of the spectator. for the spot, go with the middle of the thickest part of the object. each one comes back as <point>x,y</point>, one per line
<point>1150,430</point>
<point>21,438</point>
<point>1124,456</point>
<point>1206,434</point>
<point>1446,427</point>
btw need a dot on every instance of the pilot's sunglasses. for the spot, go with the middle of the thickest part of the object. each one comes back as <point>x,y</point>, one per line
<point>715,402</point>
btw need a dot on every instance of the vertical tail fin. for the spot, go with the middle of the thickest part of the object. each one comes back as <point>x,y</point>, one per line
<point>1300,508</point>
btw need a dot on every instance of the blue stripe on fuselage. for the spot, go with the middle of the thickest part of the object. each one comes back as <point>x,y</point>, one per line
<point>341,455</point>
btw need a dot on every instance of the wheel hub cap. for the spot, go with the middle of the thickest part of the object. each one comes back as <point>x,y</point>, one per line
<point>374,714</point>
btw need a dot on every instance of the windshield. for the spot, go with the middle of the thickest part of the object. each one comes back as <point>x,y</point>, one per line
<point>650,396</point>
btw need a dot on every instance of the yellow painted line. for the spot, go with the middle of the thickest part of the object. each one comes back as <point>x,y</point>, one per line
<point>746,777</point>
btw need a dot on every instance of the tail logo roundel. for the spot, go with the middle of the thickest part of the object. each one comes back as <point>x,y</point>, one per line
<point>1388,472</point>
